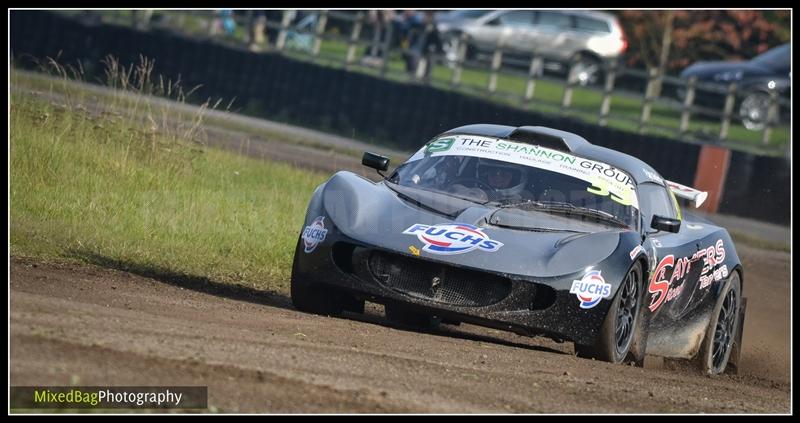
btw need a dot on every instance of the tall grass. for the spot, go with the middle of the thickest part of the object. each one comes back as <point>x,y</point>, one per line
<point>102,183</point>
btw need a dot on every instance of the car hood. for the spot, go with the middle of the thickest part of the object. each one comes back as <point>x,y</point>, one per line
<point>376,215</point>
<point>708,70</point>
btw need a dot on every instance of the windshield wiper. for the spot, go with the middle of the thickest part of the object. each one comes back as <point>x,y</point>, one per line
<point>565,208</point>
<point>471,200</point>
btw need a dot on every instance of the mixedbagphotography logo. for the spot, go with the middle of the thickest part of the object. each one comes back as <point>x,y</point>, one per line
<point>101,397</point>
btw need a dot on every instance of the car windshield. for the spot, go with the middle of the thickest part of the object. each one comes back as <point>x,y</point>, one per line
<point>776,58</point>
<point>526,177</point>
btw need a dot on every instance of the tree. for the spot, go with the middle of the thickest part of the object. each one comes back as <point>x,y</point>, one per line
<point>701,35</point>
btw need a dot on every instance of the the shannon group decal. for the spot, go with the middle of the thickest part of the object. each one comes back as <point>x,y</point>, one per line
<point>314,233</point>
<point>455,238</point>
<point>591,289</point>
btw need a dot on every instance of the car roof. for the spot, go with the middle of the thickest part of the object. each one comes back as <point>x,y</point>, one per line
<point>576,12</point>
<point>573,143</point>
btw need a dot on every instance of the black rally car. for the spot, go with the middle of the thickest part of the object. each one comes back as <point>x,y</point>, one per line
<point>531,230</point>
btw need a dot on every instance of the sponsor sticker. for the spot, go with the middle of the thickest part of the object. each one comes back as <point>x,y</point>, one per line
<point>440,145</point>
<point>590,289</point>
<point>636,251</point>
<point>665,289</point>
<point>452,238</point>
<point>314,233</point>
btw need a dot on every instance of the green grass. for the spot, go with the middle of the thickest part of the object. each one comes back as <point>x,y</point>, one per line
<point>105,189</point>
<point>43,83</point>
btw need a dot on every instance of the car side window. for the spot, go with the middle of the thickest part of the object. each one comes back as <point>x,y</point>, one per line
<point>585,24</point>
<point>655,200</point>
<point>518,18</point>
<point>553,20</point>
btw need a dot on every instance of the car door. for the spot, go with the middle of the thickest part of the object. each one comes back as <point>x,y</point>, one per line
<point>488,31</point>
<point>674,263</point>
<point>519,24</point>
<point>553,34</point>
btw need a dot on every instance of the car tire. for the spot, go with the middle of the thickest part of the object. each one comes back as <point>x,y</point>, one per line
<point>623,315</point>
<point>721,333</point>
<point>317,298</point>
<point>753,110</point>
<point>587,70</point>
<point>403,316</point>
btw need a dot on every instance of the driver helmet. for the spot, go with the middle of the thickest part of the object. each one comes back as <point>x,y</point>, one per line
<point>505,178</point>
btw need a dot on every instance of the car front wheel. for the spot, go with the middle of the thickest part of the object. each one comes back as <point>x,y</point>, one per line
<point>753,111</point>
<point>318,298</point>
<point>618,329</point>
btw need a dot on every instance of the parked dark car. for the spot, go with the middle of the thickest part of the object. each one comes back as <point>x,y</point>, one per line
<point>754,78</point>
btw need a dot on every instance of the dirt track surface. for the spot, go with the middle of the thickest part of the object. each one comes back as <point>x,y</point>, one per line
<point>88,325</point>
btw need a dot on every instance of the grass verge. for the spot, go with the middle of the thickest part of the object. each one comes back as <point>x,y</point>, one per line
<point>88,188</point>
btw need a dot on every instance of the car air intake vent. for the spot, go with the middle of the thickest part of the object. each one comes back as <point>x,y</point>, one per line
<point>436,282</point>
<point>537,138</point>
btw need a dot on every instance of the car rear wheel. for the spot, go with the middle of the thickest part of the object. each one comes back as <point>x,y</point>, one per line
<point>618,329</point>
<point>586,71</point>
<point>722,329</point>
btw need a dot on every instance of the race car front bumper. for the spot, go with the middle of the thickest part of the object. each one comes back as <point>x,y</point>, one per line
<point>542,306</point>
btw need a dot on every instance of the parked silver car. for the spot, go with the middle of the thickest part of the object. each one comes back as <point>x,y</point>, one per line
<point>560,36</point>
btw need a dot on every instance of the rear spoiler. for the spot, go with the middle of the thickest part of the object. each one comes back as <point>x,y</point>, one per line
<point>687,193</point>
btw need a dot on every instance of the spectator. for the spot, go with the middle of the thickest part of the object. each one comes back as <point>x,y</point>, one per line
<point>382,21</point>
<point>258,22</point>
<point>422,42</point>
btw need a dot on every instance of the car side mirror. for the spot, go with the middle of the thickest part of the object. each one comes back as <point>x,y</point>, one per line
<point>375,161</point>
<point>665,224</point>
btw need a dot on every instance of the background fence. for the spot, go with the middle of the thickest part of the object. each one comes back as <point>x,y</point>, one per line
<point>390,111</point>
<point>635,100</point>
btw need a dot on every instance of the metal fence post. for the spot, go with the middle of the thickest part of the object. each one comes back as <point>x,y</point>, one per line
<point>461,55</point>
<point>322,20</point>
<point>351,48</point>
<point>730,98</point>
<point>686,110</point>
<point>605,105</point>
<point>772,116</point>
<point>566,99</point>
<point>288,15</point>
<point>534,71</point>
<point>647,103</point>
<point>497,61</point>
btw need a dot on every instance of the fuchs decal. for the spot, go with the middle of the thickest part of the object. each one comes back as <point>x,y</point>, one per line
<point>314,233</point>
<point>666,289</point>
<point>590,289</point>
<point>636,251</point>
<point>455,238</point>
